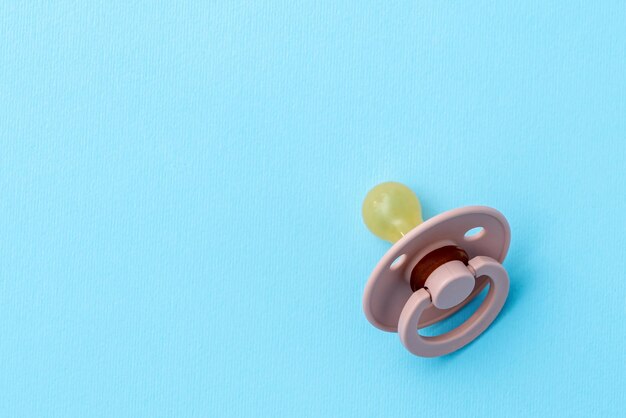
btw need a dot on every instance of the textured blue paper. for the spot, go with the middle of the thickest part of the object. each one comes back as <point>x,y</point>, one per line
<point>180,191</point>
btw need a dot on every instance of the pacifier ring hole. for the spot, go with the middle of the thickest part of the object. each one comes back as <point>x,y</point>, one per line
<point>475,233</point>
<point>398,262</point>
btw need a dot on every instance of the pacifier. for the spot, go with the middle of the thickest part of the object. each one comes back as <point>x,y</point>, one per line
<point>433,268</point>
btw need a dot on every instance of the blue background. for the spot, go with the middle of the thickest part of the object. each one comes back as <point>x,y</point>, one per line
<point>180,191</point>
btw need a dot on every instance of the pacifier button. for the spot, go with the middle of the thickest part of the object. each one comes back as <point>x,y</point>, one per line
<point>450,284</point>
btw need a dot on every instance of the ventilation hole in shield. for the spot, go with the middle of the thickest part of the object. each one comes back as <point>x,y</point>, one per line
<point>475,234</point>
<point>398,262</point>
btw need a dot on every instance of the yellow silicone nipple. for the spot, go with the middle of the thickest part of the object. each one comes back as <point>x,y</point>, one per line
<point>390,210</point>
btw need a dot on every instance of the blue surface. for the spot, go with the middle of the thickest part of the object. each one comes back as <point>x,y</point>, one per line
<point>180,190</point>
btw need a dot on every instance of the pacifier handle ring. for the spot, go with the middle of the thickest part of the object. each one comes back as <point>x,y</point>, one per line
<point>466,332</point>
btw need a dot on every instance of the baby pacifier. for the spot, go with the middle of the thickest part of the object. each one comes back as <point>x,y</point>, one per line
<point>433,268</point>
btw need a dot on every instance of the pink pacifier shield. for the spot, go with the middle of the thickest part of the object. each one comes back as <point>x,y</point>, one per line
<point>388,288</point>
